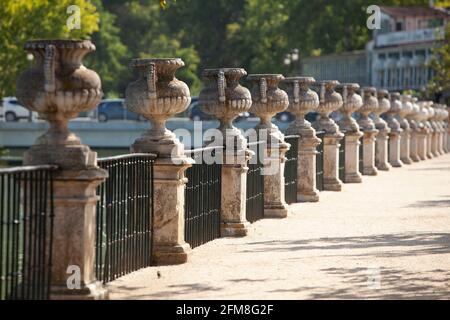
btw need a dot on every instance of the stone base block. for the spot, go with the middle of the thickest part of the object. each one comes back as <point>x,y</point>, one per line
<point>278,212</point>
<point>234,230</point>
<point>406,161</point>
<point>370,171</point>
<point>396,164</point>
<point>334,185</point>
<point>92,291</point>
<point>415,158</point>
<point>383,167</point>
<point>171,255</point>
<point>353,178</point>
<point>308,197</point>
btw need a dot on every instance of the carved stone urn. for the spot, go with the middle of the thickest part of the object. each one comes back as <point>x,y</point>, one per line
<point>381,156</point>
<point>330,101</point>
<point>59,87</point>
<point>396,130</point>
<point>370,104</point>
<point>422,131</point>
<point>430,128</point>
<point>441,118</point>
<point>352,102</point>
<point>303,100</point>
<point>224,98</point>
<point>268,100</point>
<point>158,95</point>
<point>412,119</point>
<point>405,149</point>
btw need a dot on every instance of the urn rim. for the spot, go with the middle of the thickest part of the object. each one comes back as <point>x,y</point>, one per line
<point>226,71</point>
<point>268,76</point>
<point>351,85</point>
<point>60,44</point>
<point>144,62</point>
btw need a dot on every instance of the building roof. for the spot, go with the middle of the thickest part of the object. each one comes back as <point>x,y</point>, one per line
<point>415,11</point>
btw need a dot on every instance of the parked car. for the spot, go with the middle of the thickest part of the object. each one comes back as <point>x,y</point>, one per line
<point>12,110</point>
<point>114,109</point>
<point>285,116</point>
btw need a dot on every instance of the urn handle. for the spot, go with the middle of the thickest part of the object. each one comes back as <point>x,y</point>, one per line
<point>322,92</point>
<point>49,68</point>
<point>345,94</point>
<point>296,92</point>
<point>151,81</point>
<point>221,84</point>
<point>263,89</point>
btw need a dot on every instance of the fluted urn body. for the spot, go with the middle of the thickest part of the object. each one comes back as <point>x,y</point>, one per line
<point>267,101</point>
<point>302,100</point>
<point>330,101</point>
<point>157,95</point>
<point>352,102</point>
<point>224,98</point>
<point>370,104</point>
<point>384,105</point>
<point>59,86</point>
<point>407,109</point>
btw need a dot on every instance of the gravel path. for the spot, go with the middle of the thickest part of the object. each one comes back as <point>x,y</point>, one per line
<point>387,238</point>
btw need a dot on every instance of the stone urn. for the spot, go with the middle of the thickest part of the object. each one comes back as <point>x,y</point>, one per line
<point>392,114</point>
<point>59,87</point>
<point>302,100</point>
<point>330,101</point>
<point>370,104</point>
<point>407,109</point>
<point>352,102</point>
<point>157,95</point>
<point>268,100</point>
<point>224,98</point>
<point>384,105</point>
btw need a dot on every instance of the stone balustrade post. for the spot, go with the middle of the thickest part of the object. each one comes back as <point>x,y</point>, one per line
<point>421,133</point>
<point>447,130</point>
<point>382,142</point>
<point>330,101</point>
<point>441,119</point>
<point>268,100</point>
<point>429,128</point>
<point>405,145</point>
<point>370,104</point>
<point>57,83</point>
<point>396,130</point>
<point>412,119</point>
<point>157,95</point>
<point>351,103</point>
<point>435,132</point>
<point>303,100</point>
<point>224,98</point>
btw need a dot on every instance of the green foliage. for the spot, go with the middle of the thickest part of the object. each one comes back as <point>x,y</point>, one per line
<point>441,65</point>
<point>22,20</point>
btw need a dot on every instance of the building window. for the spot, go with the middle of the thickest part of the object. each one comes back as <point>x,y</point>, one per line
<point>398,26</point>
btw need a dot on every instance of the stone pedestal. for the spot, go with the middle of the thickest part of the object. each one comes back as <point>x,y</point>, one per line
<point>435,140</point>
<point>352,145</point>
<point>331,146</point>
<point>369,139</point>
<point>405,144</point>
<point>381,157</point>
<point>234,194</point>
<point>421,137</point>
<point>395,130</point>
<point>302,100</point>
<point>275,205</point>
<point>394,150</point>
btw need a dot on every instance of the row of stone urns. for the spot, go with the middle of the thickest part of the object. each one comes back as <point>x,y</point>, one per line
<point>59,84</point>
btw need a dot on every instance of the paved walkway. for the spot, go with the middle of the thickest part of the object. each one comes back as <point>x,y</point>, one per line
<point>386,238</point>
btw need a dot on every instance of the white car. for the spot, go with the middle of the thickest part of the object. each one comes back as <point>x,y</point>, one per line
<point>12,110</point>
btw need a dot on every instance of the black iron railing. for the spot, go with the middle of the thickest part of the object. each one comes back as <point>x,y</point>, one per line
<point>361,154</point>
<point>203,196</point>
<point>124,216</point>
<point>290,170</point>
<point>319,162</point>
<point>26,232</point>
<point>342,159</point>
<point>255,183</point>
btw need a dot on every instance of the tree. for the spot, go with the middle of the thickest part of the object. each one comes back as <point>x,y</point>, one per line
<point>441,66</point>
<point>22,20</point>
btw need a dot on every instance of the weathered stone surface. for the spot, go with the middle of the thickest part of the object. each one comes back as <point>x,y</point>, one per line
<point>396,130</point>
<point>303,100</point>
<point>405,143</point>
<point>382,138</point>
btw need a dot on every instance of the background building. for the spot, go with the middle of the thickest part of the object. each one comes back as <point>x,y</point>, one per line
<point>397,56</point>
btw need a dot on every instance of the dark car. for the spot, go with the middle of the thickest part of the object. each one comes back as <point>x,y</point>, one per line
<point>114,109</point>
